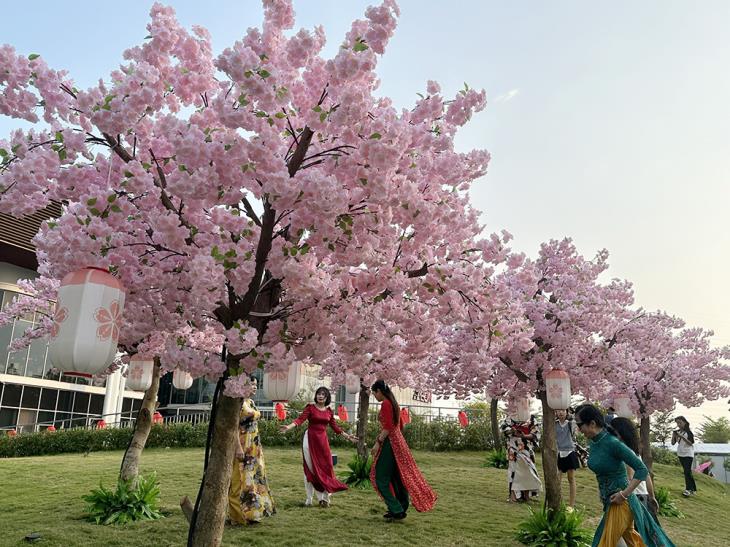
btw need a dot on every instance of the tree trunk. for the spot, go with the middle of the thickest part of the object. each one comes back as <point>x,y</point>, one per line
<point>644,430</point>
<point>142,427</point>
<point>496,437</point>
<point>208,526</point>
<point>553,495</point>
<point>362,421</point>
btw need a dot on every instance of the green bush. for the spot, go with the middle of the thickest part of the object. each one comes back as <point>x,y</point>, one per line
<point>667,507</point>
<point>547,528</point>
<point>497,458</point>
<point>662,455</point>
<point>359,473</point>
<point>128,503</point>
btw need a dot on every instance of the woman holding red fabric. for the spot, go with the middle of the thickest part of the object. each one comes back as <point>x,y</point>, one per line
<point>394,473</point>
<point>319,475</point>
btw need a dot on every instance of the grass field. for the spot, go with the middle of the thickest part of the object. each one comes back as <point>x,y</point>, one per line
<point>43,494</point>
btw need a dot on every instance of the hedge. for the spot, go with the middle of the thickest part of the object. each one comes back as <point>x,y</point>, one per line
<point>437,435</point>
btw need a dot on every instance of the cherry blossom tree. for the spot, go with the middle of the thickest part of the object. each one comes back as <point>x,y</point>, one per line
<point>265,200</point>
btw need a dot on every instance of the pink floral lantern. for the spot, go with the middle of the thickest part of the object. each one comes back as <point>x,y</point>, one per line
<point>557,389</point>
<point>182,380</point>
<point>86,322</point>
<point>280,386</point>
<point>622,406</point>
<point>139,373</point>
<point>352,383</point>
<point>520,409</point>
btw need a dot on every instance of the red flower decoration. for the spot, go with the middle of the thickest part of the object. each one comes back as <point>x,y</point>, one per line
<point>109,321</point>
<point>59,316</point>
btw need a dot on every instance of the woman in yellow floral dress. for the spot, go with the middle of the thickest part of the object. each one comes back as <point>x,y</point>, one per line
<point>249,497</point>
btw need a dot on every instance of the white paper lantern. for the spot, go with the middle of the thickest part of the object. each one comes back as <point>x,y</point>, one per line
<point>622,406</point>
<point>282,386</point>
<point>557,389</point>
<point>182,380</point>
<point>520,409</point>
<point>352,383</point>
<point>86,322</point>
<point>139,373</point>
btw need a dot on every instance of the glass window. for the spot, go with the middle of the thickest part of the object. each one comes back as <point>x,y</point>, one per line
<point>178,397</point>
<point>208,392</point>
<point>8,417</point>
<point>65,400</point>
<point>136,404</point>
<point>126,405</point>
<point>48,399</point>
<point>63,420</point>
<point>31,396</point>
<point>17,359</point>
<point>192,395</point>
<point>97,404</point>
<point>81,403</point>
<point>36,358</point>
<point>45,419</point>
<point>51,373</point>
<point>11,395</point>
<point>6,334</point>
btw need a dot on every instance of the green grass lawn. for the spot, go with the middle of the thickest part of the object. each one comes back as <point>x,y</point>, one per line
<point>43,494</point>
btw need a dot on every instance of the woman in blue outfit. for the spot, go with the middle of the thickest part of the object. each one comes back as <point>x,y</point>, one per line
<point>624,516</point>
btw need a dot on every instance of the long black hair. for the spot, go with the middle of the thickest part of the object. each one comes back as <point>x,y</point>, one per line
<point>327,395</point>
<point>383,388</point>
<point>686,429</point>
<point>626,431</point>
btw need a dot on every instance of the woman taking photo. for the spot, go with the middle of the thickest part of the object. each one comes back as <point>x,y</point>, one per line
<point>319,474</point>
<point>623,516</point>
<point>249,496</point>
<point>685,441</point>
<point>626,431</point>
<point>394,473</point>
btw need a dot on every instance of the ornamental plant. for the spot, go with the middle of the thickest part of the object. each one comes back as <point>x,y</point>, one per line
<point>263,205</point>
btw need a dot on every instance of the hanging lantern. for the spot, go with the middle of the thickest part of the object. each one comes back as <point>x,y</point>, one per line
<point>282,386</point>
<point>463,419</point>
<point>342,413</point>
<point>101,424</point>
<point>139,373</point>
<point>557,389</point>
<point>51,428</point>
<point>405,416</point>
<point>280,411</point>
<point>520,409</point>
<point>12,433</point>
<point>86,322</point>
<point>352,383</point>
<point>157,418</point>
<point>622,406</point>
<point>182,380</point>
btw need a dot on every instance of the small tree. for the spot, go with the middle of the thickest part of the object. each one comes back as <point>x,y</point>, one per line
<point>714,430</point>
<point>662,424</point>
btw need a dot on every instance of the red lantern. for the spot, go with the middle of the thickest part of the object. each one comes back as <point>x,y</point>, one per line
<point>86,322</point>
<point>463,419</point>
<point>51,428</point>
<point>12,433</point>
<point>342,413</point>
<point>557,389</point>
<point>280,411</point>
<point>101,424</point>
<point>405,416</point>
<point>157,418</point>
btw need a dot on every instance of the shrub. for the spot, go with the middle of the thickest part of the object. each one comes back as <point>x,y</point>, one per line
<point>667,507</point>
<point>662,455</point>
<point>359,474</point>
<point>128,503</point>
<point>554,528</point>
<point>497,458</point>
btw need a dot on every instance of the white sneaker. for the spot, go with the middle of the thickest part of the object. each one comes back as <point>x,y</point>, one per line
<point>686,493</point>
<point>307,503</point>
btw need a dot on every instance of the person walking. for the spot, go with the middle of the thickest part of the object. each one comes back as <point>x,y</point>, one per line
<point>523,480</point>
<point>685,441</point>
<point>319,473</point>
<point>624,517</point>
<point>568,462</point>
<point>394,473</point>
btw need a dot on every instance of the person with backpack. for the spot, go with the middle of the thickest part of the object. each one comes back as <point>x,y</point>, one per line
<point>568,462</point>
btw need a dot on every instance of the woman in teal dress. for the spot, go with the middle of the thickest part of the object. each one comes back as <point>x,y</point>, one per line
<point>624,516</point>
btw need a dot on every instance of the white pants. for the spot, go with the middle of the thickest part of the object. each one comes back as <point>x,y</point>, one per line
<point>308,486</point>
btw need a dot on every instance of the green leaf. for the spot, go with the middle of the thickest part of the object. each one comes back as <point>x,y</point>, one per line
<point>360,45</point>
<point>3,153</point>
<point>62,154</point>
<point>323,116</point>
<point>59,136</point>
<point>91,201</point>
<point>280,115</point>
<point>375,135</point>
<point>264,73</point>
<point>33,56</point>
